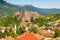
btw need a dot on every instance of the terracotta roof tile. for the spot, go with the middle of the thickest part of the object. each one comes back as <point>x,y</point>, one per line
<point>53,27</point>
<point>30,36</point>
<point>45,33</point>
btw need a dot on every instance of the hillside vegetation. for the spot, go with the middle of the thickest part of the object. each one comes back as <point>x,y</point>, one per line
<point>9,21</point>
<point>54,17</point>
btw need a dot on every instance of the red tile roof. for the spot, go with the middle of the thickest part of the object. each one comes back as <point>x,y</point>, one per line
<point>53,27</point>
<point>45,33</point>
<point>30,36</point>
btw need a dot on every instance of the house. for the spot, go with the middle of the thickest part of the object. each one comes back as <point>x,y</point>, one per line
<point>58,38</point>
<point>2,29</point>
<point>46,38</point>
<point>58,25</point>
<point>52,23</point>
<point>2,39</point>
<point>53,27</point>
<point>9,38</point>
<point>47,32</point>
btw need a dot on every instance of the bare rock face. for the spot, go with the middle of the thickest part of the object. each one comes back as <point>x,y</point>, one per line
<point>16,13</point>
<point>26,16</point>
<point>35,15</point>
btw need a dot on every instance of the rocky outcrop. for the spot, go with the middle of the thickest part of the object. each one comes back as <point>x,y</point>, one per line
<point>16,13</point>
<point>27,16</point>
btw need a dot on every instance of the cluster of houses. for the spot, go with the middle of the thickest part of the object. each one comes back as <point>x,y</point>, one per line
<point>47,32</point>
<point>2,29</point>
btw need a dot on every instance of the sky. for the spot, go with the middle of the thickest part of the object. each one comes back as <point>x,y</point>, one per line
<point>37,3</point>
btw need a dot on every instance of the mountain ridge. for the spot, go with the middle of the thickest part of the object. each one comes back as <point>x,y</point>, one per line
<point>7,8</point>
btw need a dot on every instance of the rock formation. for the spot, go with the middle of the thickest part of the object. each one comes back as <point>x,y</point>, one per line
<point>27,16</point>
<point>16,13</point>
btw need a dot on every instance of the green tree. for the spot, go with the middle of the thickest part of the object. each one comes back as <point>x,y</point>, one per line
<point>10,21</point>
<point>57,33</point>
<point>40,21</point>
<point>33,29</point>
<point>13,34</point>
<point>21,30</point>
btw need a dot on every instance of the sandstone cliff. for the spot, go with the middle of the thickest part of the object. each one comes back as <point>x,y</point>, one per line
<point>26,16</point>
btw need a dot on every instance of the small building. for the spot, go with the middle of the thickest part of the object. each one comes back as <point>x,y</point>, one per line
<point>47,32</point>
<point>9,38</point>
